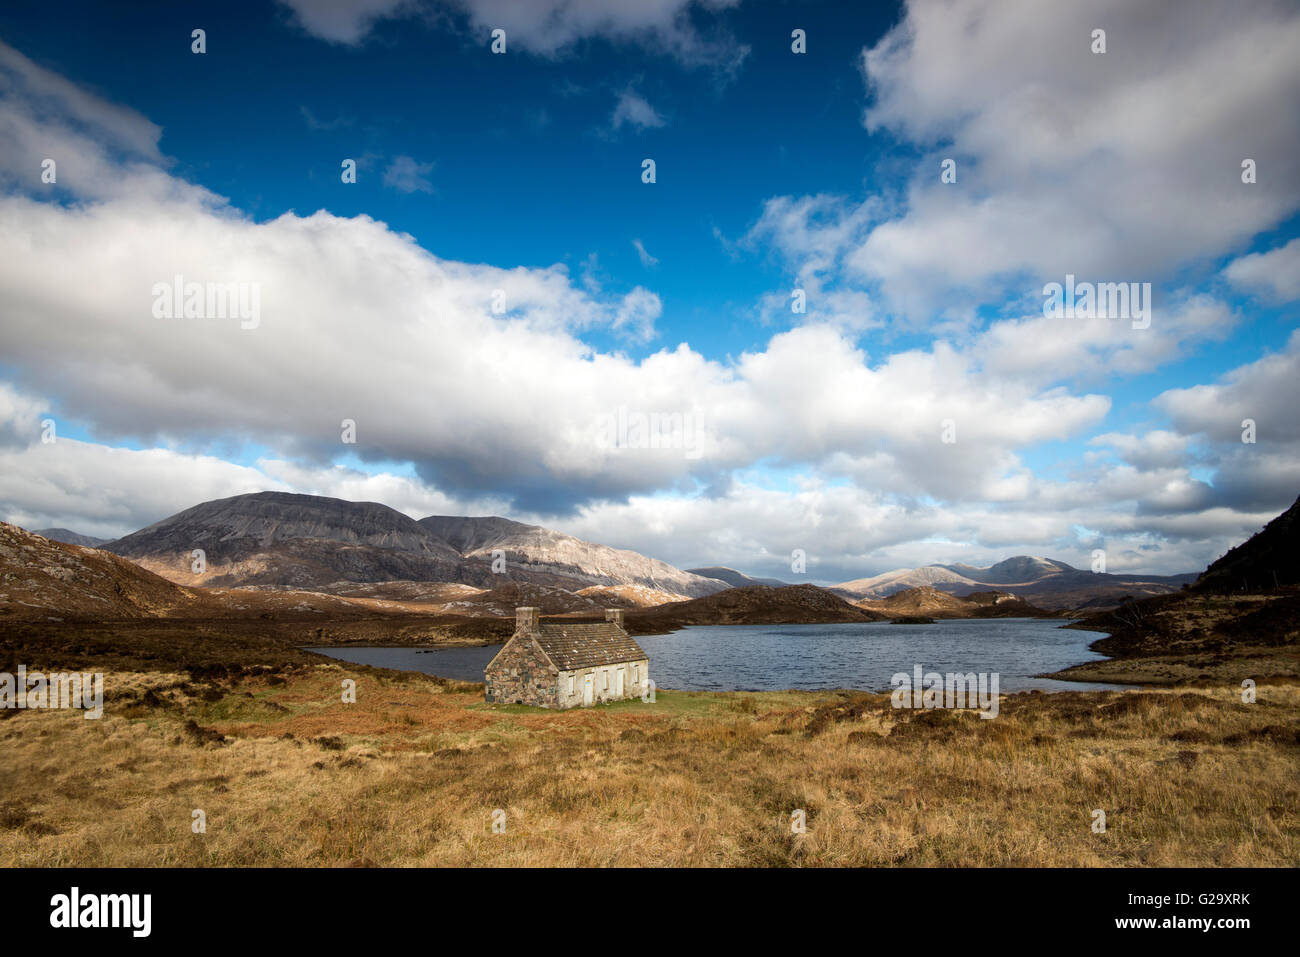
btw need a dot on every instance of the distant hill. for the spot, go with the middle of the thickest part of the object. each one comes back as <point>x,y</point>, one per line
<point>734,578</point>
<point>753,605</point>
<point>1268,559</point>
<point>69,537</point>
<point>1043,582</point>
<point>932,603</point>
<point>901,579</point>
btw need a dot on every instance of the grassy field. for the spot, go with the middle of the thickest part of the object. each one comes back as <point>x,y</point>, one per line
<point>411,774</point>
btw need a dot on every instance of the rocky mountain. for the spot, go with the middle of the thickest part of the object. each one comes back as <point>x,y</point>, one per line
<point>531,549</point>
<point>754,605</point>
<point>1015,571</point>
<point>295,541</point>
<point>69,537</point>
<point>48,582</point>
<point>285,540</point>
<point>1044,582</point>
<point>734,578</point>
<point>1268,559</point>
<point>901,579</point>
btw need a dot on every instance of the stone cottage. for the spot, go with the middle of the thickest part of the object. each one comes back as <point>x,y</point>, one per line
<point>566,664</point>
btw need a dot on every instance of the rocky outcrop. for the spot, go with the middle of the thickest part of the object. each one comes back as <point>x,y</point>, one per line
<point>533,550</point>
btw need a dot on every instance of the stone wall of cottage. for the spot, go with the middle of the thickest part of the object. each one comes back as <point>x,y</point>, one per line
<point>601,693</point>
<point>522,674</point>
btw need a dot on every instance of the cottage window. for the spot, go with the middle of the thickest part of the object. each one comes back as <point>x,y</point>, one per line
<point>634,678</point>
<point>570,684</point>
<point>604,680</point>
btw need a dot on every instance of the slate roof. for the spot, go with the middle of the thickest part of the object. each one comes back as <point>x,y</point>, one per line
<point>584,645</point>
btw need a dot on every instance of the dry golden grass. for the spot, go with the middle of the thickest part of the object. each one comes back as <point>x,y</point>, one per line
<point>411,773</point>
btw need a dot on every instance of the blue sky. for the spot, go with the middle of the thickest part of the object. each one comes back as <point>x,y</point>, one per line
<point>775,171</point>
<point>520,145</point>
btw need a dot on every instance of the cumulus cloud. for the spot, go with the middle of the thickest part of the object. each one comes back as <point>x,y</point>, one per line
<point>480,383</point>
<point>40,89</point>
<point>108,491</point>
<point>1264,391</point>
<point>1039,348</point>
<point>553,27</point>
<point>1274,276</point>
<point>1156,449</point>
<point>545,27</point>
<point>1075,162</point>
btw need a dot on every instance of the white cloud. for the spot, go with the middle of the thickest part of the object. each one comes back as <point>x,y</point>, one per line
<point>1265,391</point>
<point>1274,275</point>
<point>1075,162</point>
<point>554,27</point>
<point>634,110</point>
<point>117,126</point>
<point>360,322</point>
<point>346,22</point>
<point>407,175</point>
<point>646,259</point>
<point>100,490</point>
<point>1156,449</point>
<point>544,27</point>
<point>1044,349</point>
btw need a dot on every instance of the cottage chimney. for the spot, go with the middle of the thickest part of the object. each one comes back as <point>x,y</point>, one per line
<point>615,615</point>
<point>526,619</point>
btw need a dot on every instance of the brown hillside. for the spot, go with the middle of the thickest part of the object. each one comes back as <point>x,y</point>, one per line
<point>755,605</point>
<point>928,602</point>
<point>41,578</point>
<point>1268,559</point>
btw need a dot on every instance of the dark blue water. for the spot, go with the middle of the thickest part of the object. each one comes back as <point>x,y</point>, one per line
<point>810,657</point>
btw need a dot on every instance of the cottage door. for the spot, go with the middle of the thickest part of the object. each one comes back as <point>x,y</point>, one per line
<point>588,686</point>
<point>618,683</point>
